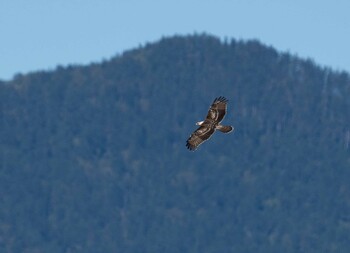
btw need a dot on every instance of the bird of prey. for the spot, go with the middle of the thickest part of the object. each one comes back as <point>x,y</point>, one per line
<point>207,127</point>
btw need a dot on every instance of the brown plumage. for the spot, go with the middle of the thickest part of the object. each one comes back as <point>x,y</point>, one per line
<point>207,127</point>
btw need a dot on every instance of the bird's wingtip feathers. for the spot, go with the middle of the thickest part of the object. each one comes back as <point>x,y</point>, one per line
<point>190,147</point>
<point>221,99</point>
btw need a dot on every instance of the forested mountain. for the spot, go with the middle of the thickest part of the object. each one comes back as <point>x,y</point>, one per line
<point>93,158</point>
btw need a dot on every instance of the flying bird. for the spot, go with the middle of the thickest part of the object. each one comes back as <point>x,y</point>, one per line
<point>207,127</point>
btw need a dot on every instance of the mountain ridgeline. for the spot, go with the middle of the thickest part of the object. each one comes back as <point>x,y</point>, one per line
<point>93,158</point>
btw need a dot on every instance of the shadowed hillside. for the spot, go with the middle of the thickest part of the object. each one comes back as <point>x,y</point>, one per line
<point>93,158</point>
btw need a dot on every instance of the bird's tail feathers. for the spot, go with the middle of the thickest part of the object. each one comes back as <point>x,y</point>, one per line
<point>224,129</point>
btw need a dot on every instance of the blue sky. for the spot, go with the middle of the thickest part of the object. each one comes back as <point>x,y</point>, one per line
<point>41,34</point>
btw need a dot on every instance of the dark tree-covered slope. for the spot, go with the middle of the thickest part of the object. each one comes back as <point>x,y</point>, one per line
<point>93,158</point>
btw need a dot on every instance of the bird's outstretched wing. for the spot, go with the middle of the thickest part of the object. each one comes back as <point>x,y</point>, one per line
<point>199,136</point>
<point>217,109</point>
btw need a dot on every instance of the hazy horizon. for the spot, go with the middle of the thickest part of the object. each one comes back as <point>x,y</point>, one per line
<point>40,35</point>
